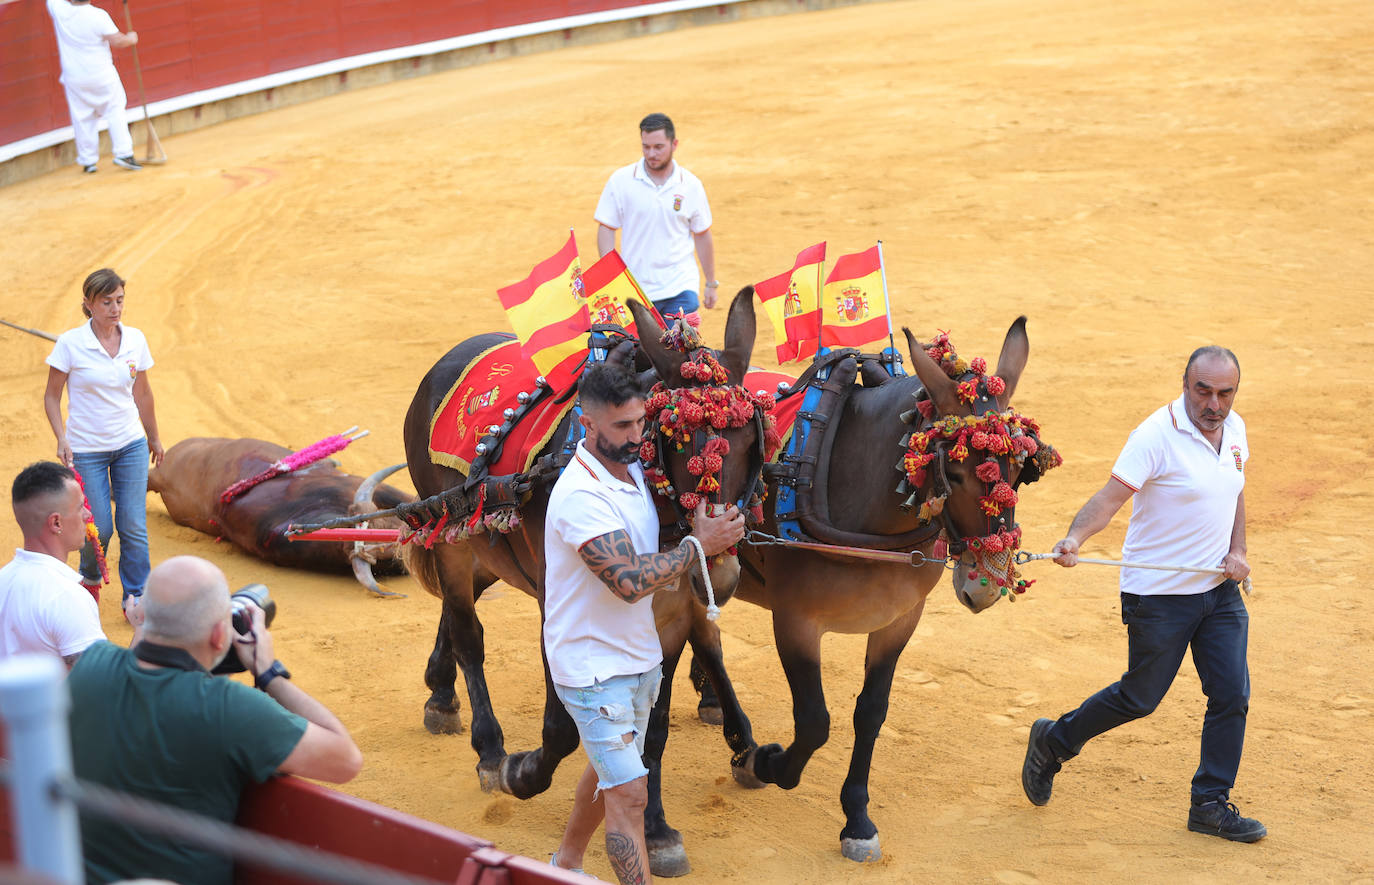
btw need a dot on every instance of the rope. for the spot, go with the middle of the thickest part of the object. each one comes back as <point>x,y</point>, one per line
<point>712,610</point>
<point>1024,557</point>
<point>243,846</point>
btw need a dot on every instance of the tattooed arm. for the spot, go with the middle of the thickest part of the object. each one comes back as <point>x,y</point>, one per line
<point>612,558</point>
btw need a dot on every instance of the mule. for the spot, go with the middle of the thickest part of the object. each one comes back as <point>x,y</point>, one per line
<point>458,573</point>
<point>857,503</point>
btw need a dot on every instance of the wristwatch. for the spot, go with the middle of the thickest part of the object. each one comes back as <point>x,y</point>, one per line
<point>272,672</point>
<point>713,284</point>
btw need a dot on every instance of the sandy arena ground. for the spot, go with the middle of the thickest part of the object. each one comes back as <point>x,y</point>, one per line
<point>1137,179</point>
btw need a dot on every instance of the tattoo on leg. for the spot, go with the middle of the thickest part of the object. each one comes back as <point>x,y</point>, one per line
<point>625,859</point>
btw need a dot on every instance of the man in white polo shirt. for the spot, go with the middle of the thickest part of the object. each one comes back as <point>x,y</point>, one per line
<point>1185,466</point>
<point>85,34</point>
<point>603,652</point>
<point>43,607</point>
<point>663,217</point>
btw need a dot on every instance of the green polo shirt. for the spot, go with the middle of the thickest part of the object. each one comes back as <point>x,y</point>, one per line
<point>182,738</point>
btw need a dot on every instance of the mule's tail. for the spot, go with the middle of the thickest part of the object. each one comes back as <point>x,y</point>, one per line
<point>423,565</point>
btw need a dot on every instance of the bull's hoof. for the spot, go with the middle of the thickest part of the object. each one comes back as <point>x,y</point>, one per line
<point>489,775</point>
<point>862,850</point>
<point>669,860</point>
<point>710,713</point>
<point>442,720</point>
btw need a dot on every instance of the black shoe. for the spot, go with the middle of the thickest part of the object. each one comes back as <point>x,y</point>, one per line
<point>1040,767</point>
<point>128,163</point>
<point>1219,818</point>
<point>89,169</point>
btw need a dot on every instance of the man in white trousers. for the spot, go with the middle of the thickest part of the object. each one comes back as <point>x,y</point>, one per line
<point>85,34</point>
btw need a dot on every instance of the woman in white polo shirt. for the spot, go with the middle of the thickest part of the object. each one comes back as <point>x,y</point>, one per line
<point>111,430</point>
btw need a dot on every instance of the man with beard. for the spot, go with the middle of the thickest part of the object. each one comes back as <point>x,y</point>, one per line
<point>662,214</point>
<point>603,567</point>
<point>154,722</point>
<point>1185,466</point>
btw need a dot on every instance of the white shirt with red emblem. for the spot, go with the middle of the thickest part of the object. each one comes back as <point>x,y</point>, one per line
<point>1185,500</point>
<point>591,634</point>
<point>44,609</point>
<point>101,415</point>
<point>657,224</point>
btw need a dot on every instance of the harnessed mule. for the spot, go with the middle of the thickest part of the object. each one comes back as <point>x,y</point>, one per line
<point>459,572</point>
<point>862,561</point>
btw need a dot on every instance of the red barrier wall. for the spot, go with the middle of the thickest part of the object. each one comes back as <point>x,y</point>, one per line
<point>189,45</point>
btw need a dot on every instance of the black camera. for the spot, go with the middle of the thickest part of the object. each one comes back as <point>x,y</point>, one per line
<point>238,604</point>
<point>243,621</point>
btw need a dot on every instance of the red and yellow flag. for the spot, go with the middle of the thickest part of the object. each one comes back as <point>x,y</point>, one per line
<point>853,306</point>
<point>608,284</point>
<point>792,300</point>
<point>549,315</point>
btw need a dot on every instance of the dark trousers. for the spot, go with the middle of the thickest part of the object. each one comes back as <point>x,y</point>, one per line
<point>1160,629</point>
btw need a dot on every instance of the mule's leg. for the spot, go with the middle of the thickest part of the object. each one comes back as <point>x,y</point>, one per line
<point>799,649</point>
<point>859,838</point>
<point>708,707</point>
<point>708,664</point>
<point>441,674</point>
<point>529,773</point>
<point>667,856</point>
<point>459,576</point>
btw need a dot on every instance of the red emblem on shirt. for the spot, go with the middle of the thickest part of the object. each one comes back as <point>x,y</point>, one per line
<point>1235,453</point>
<point>677,202</point>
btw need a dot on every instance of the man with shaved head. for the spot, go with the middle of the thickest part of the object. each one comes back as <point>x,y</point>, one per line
<point>1185,467</point>
<point>43,607</point>
<point>153,721</point>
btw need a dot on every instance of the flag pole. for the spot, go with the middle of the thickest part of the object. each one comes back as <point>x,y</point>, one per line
<point>887,306</point>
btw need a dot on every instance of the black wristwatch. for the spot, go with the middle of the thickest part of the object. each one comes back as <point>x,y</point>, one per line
<point>272,672</point>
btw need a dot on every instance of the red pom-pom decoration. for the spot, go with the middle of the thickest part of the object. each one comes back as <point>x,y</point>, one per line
<point>989,471</point>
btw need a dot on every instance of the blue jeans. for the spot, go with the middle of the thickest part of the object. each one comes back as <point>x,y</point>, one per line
<point>120,477</point>
<point>683,302</point>
<point>1159,630</point>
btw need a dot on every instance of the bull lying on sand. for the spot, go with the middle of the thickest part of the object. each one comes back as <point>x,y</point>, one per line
<point>196,471</point>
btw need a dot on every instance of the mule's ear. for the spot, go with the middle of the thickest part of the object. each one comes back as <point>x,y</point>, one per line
<point>1012,361</point>
<point>740,330</point>
<point>940,386</point>
<point>664,361</point>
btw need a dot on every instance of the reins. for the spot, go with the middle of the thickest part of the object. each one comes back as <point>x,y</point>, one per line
<point>915,558</point>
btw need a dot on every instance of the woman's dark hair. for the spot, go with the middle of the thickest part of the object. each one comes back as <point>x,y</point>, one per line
<point>101,282</point>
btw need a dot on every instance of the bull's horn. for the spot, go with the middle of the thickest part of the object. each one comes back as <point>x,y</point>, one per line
<point>362,570</point>
<point>362,498</point>
<point>362,502</point>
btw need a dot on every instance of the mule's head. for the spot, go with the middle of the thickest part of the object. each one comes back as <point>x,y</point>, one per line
<point>705,436</point>
<point>969,453</point>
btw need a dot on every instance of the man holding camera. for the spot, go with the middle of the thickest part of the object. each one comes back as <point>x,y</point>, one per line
<point>154,721</point>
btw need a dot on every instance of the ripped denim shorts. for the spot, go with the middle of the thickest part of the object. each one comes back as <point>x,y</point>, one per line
<point>605,712</point>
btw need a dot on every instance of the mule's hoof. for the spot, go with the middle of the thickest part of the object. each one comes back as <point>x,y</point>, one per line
<point>745,777</point>
<point>862,850</point>
<point>669,860</point>
<point>489,775</point>
<point>710,714</point>
<point>441,721</point>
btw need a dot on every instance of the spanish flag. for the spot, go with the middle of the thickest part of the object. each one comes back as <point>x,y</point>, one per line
<point>608,284</point>
<point>853,305</point>
<point>792,300</point>
<point>549,316</point>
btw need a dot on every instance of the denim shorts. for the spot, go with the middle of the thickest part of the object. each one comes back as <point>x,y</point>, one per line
<point>605,712</point>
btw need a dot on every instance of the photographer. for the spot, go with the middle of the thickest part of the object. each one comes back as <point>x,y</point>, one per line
<point>154,721</point>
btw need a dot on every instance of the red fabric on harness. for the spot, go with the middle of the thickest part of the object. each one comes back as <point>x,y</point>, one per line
<point>785,412</point>
<point>487,387</point>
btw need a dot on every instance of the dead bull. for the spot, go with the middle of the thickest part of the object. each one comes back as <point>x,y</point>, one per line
<point>196,471</point>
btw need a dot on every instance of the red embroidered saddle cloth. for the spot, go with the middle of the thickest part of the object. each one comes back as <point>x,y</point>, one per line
<point>487,387</point>
<point>785,412</point>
